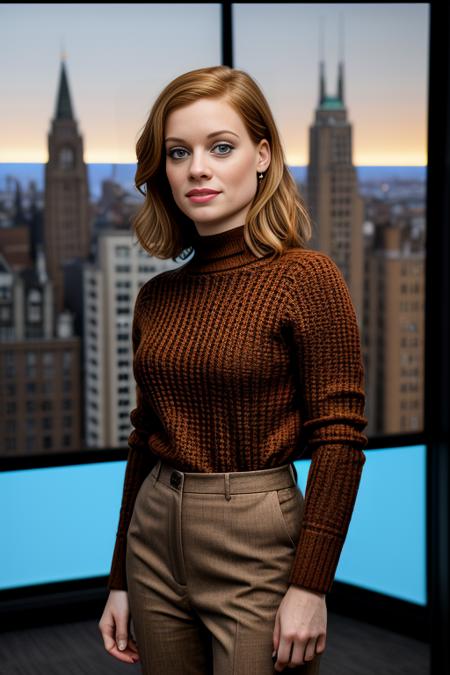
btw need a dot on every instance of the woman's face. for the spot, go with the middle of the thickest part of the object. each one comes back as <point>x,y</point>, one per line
<point>226,162</point>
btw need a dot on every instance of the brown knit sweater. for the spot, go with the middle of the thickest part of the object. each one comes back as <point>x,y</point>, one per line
<point>240,364</point>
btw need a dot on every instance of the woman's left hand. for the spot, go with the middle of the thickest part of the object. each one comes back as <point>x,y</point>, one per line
<point>301,622</point>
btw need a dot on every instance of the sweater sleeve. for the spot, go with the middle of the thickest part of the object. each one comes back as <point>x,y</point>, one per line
<point>328,355</point>
<point>139,464</point>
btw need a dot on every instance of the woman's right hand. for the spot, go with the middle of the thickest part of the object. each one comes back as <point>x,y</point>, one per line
<point>114,627</point>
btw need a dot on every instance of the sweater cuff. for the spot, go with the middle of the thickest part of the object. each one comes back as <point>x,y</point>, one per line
<point>117,579</point>
<point>316,560</point>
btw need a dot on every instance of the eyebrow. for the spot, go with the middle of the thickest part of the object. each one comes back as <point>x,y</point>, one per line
<point>214,133</point>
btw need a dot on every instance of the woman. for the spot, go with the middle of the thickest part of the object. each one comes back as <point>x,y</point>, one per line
<point>243,356</point>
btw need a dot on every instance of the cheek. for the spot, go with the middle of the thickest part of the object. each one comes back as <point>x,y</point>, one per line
<point>239,174</point>
<point>242,181</point>
<point>172,177</point>
<point>169,173</point>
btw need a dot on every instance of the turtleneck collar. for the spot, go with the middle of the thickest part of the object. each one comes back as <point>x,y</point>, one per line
<point>219,252</point>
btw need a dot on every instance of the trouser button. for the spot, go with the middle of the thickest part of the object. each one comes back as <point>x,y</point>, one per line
<point>175,479</point>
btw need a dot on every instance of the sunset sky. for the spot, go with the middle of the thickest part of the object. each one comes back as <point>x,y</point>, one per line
<point>120,56</point>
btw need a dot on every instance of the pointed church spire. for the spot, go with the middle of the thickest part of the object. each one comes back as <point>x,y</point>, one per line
<point>63,103</point>
<point>340,92</point>
<point>328,102</point>
<point>322,83</point>
<point>63,53</point>
<point>322,94</point>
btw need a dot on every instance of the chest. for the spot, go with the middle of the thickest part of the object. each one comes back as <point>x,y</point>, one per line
<point>215,335</point>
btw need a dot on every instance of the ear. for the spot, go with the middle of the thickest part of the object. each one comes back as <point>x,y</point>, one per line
<point>264,155</point>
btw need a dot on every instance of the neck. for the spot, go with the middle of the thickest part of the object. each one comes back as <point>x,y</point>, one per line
<point>219,252</point>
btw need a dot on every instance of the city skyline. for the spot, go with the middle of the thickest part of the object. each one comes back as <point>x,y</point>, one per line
<point>112,93</point>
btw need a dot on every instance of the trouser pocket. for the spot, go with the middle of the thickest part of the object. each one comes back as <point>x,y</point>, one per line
<point>288,504</point>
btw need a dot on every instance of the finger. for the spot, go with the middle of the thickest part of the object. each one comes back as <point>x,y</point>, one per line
<point>122,633</point>
<point>283,654</point>
<point>310,650</point>
<point>276,633</point>
<point>298,652</point>
<point>127,656</point>
<point>132,644</point>
<point>321,643</point>
<point>107,632</point>
<point>121,642</point>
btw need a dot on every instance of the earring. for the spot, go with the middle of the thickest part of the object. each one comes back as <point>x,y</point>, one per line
<point>261,176</point>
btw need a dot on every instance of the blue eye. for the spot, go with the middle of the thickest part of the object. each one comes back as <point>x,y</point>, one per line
<point>218,145</point>
<point>224,145</point>
<point>175,150</point>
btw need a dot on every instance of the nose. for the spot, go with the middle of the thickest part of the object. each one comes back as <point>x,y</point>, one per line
<point>199,165</point>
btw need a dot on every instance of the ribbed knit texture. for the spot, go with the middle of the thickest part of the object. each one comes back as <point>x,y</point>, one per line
<point>240,364</point>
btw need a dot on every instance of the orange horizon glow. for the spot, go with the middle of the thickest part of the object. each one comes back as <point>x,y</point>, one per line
<point>365,160</point>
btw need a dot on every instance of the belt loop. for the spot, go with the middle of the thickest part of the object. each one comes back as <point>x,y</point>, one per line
<point>227,487</point>
<point>157,472</point>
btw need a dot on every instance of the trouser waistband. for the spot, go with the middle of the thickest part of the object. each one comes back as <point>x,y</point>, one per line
<point>228,483</point>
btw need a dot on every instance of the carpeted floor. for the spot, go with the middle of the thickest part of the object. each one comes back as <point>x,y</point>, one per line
<point>353,648</point>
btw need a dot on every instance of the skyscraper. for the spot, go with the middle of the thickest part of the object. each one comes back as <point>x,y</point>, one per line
<point>66,215</point>
<point>332,188</point>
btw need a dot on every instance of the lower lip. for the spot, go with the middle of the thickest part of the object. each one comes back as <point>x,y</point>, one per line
<point>199,199</point>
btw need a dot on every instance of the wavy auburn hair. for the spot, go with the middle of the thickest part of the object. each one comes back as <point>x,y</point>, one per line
<point>278,218</point>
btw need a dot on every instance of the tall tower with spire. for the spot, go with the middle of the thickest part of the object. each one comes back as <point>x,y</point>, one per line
<point>66,210</point>
<point>332,187</point>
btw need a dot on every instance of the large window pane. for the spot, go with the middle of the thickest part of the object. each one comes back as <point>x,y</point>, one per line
<point>354,130</point>
<point>70,266</point>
